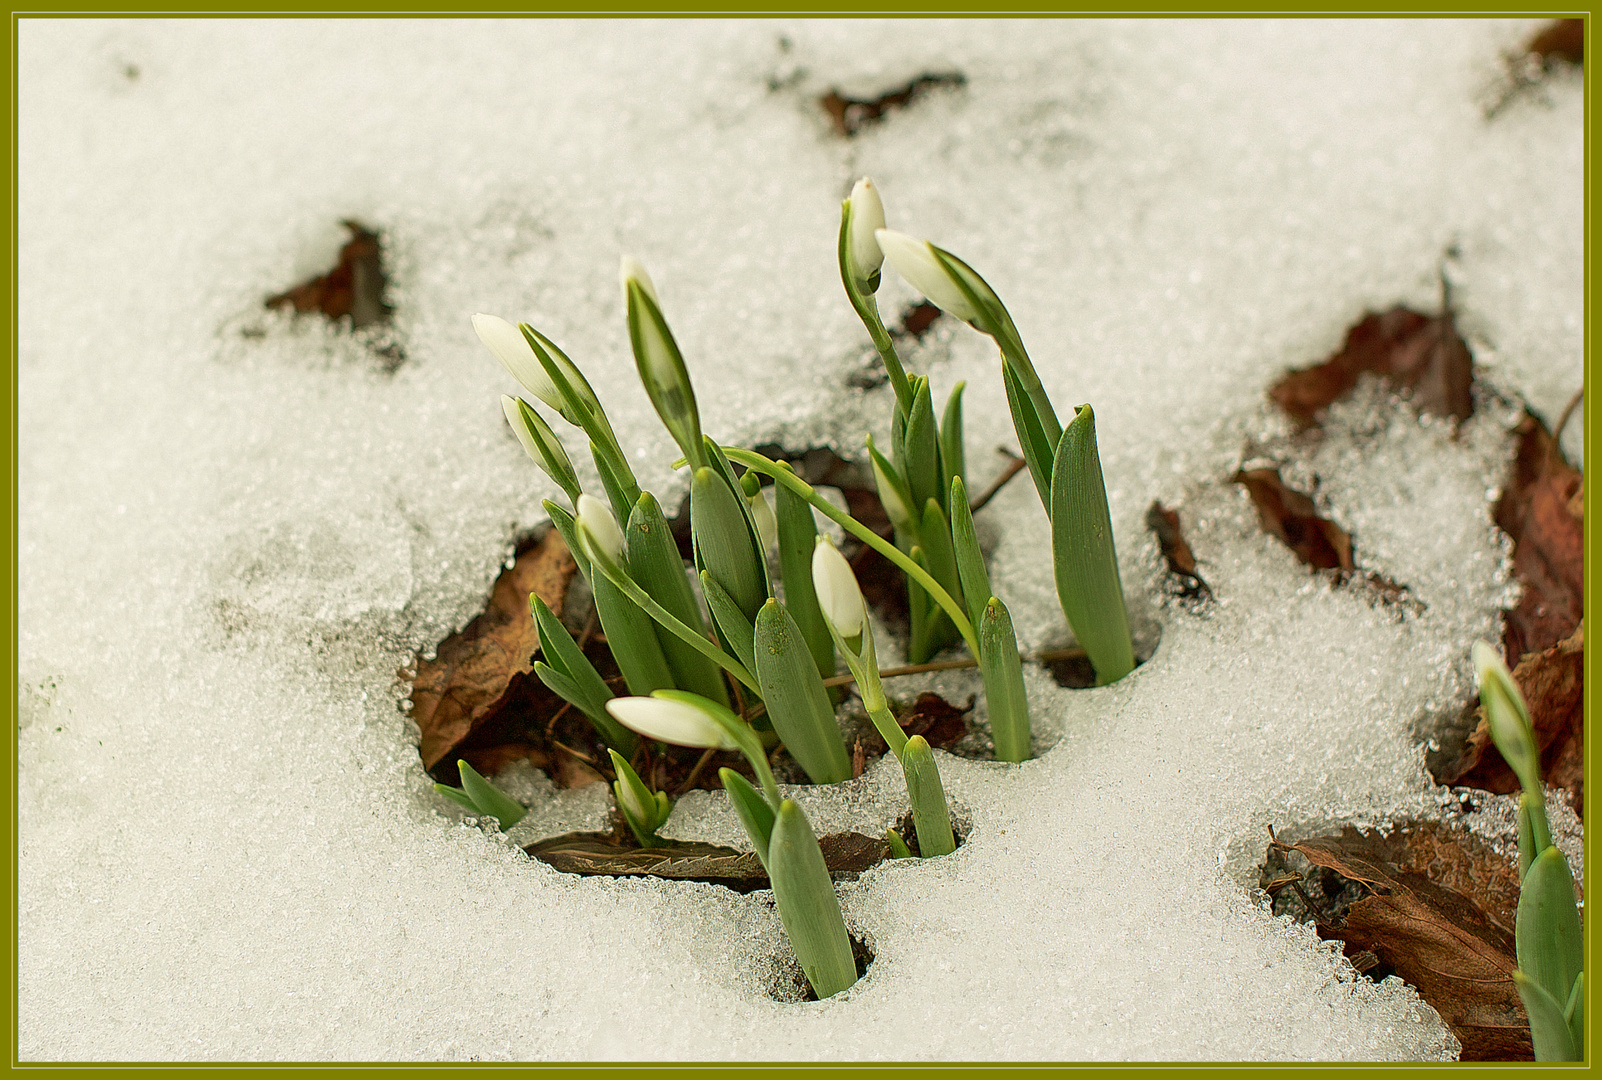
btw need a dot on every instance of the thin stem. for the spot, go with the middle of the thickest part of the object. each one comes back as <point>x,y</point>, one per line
<point>1046,656</point>
<point>790,480</point>
<point>1568,411</point>
<point>867,309</point>
<point>1015,465</point>
<point>689,781</point>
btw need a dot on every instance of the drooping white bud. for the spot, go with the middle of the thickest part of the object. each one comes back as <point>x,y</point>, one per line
<point>867,217</point>
<point>838,593</point>
<point>669,721</point>
<point>631,270</point>
<point>1507,716</point>
<point>915,261</point>
<point>512,349</point>
<point>596,519</point>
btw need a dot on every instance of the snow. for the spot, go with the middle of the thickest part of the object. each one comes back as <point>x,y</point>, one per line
<point>235,527</point>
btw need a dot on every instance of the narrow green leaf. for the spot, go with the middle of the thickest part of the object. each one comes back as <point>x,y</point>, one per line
<point>894,497</point>
<point>639,804</point>
<point>918,614</point>
<point>632,635</point>
<point>655,564</point>
<point>1549,1031</point>
<point>971,570</point>
<point>808,906</point>
<point>953,458</point>
<point>1574,1014</point>
<point>1002,671</point>
<point>565,524</point>
<point>577,679</point>
<point>617,490</point>
<point>723,545</point>
<point>1527,848</point>
<point>898,846</point>
<point>541,444</point>
<point>661,368</point>
<point>753,810</point>
<point>1038,451</point>
<point>798,535</point>
<point>797,702</point>
<point>612,733</point>
<point>1083,555</point>
<point>1551,948</point>
<point>488,798</point>
<point>582,407</point>
<point>457,795</point>
<point>937,550</point>
<point>720,463</point>
<point>921,450</point>
<point>928,796</point>
<point>734,629</point>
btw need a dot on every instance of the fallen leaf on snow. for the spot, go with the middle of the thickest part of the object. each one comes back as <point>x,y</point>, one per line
<point>851,115</point>
<point>1164,523</point>
<point>354,287</point>
<point>1291,515</point>
<point>1548,542</point>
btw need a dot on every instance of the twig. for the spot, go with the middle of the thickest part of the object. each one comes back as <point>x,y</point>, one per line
<point>1014,467</point>
<point>689,781</point>
<point>566,705</point>
<point>1568,411</point>
<point>576,753</point>
<point>1044,657</point>
<point>589,629</point>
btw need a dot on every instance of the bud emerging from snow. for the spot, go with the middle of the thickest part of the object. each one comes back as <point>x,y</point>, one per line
<point>597,522</point>
<point>540,443</point>
<point>512,350</point>
<point>671,720</point>
<point>915,260</point>
<point>659,361</point>
<point>1507,716</point>
<point>867,216</point>
<point>838,593</point>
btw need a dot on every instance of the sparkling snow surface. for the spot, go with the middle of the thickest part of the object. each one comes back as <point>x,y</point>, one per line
<point>235,527</point>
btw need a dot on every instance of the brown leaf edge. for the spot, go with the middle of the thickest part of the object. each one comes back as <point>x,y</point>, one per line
<point>354,287</point>
<point>850,115</point>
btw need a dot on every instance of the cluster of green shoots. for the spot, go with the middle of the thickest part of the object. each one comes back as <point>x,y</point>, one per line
<point>746,671</point>
<point>1547,936</point>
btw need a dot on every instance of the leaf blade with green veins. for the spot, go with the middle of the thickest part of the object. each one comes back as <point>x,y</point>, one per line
<point>655,564</point>
<point>930,817</point>
<point>723,546</point>
<point>808,906</point>
<point>1574,1013</point>
<point>733,627</point>
<point>1005,698</point>
<point>1038,451</point>
<point>752,809</point>
<point>1549,1030</point>
<point>953,458</point>
<point>617,490</point>
<point>798,704</point>
<point>1084,558</point>
<point>488,798</point>
<point>798,536</point>
<point>921,450</point>
<point>1551,945</point>
<point>631,633</point>
<point>938,551</point>
<point>971,570</point>
<point>458,796</point>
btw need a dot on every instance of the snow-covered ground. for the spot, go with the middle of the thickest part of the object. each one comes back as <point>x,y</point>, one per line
<point>234,528</point>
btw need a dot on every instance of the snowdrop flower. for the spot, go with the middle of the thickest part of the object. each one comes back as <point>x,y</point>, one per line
<point>659,361</point>
<point>915,260</point>
<point>891,494</point>
<point>512,350</point>
<point>838,593</point>
<point>767,525</point>
<point>632,270</point>
<point>596,521</point>
<point>867,216</point>
<point>1506,715</point>
<point>540,443</point>
<point>671,720</point>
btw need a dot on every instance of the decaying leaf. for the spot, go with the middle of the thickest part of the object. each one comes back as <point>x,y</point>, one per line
<point>354,287</point>
<point>1439,911</point>
<point>1421,354</point>
<point>468,678</point>
<point>1560,40</point>
<point>917,319</point>
<point>1553,684</point>
<point>940,723</point>
<point>851,115</point>
<point>1164,524</point>
<point>1290,515</point>
<point>1548,542</point>
<point>846,854</point>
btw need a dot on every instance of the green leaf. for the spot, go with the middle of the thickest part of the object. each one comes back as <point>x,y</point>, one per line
<point>582,408</point>
<point>488,798</point>
<point>723,544</point>
<point>1574,1013</point>
<point>457,795</point>
<point>576,679</point>
<point>753,810</point>
<point>720,462</point>
<point>953,458</point>
<point>631,633</point>
<point>543,445</point>
<point>1005,699</point>
<point>655,565</point>
<point>1038,450</point>
<point>568,527</point>
<point>662,370</point>
<point>621,493</point>
<point>1527,832</point>
<point>798,535</point>
<point>639,805</point>
<point>928,796</point>
<point>1549,1031</point>
<point>898,846</point>
<point>937,551</point>
<point>1551,947</point>
<point>807,904</point>
<point>894,497</point>
<point>1083,555</point>
<point>797,702</point>
<point>733,627</point>
<point>971,570</point>
<point>921,449</point>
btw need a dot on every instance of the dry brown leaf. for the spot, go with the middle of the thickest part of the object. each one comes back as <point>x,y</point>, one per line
<point>601,854</point>
<point>1553,685</point>
<point>1419,353</point>
<point>1426,919</point>
<point>1290,515</point>
<point>1561,39</point>
<point>466,681</point>
<point>1548,543</point>
<point>851,115</point>
<point>354,287</point>
<point>1164,523</point>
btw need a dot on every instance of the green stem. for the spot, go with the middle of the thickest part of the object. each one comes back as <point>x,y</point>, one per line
<point>867,309</point>
<point>789,479</point>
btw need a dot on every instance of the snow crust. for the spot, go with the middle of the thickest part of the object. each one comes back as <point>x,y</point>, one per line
<point>234,527</point>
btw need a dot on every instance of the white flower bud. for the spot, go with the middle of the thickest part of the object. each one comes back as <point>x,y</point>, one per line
<point>597,520</point>
<point>838,593</point>
<point>895,507</point>
<point>631,270</point>
<point>1507,716</point>
<point>676,722</point>
<point>867,217</point>
<point>915,261</point>
<point>511,348</point>
<point>766,524</point>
